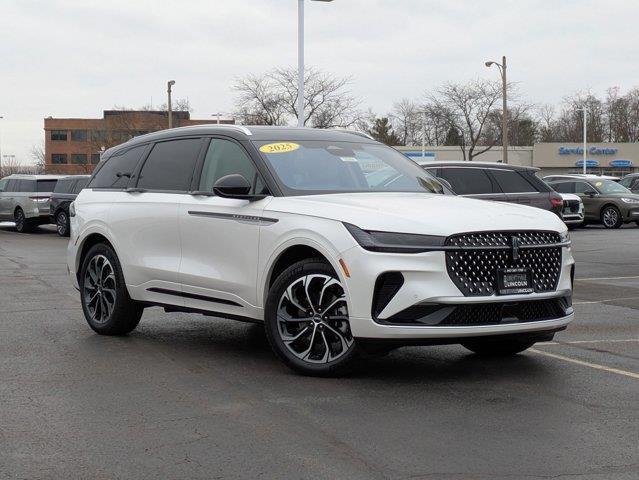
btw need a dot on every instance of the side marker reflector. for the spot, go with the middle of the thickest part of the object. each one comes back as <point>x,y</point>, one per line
<point>344,268</point>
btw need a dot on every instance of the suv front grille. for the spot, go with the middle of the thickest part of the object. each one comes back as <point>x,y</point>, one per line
<point>473,267</point>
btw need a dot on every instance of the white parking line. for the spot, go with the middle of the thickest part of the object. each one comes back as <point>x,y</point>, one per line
<point>604,301</point>
<point>618,340</point>
<point>605,278</point>
<point>596,366</point>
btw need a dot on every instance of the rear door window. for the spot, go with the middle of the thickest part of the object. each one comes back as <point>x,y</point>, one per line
<point>46,186</point>
<point>170,165</point>
<point>117,169</point>
<point>468,181</point>
<point>64,185</point>
<point>511,181</point>
<point>27,186</point>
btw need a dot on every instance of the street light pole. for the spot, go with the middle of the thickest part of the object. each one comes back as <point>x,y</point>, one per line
<point>300,61</point>
<point>584,110</point>
<point>504,116</point>
<point>169,84</point>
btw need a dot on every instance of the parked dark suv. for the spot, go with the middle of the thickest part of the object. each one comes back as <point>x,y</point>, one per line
<point>631,182</point>
<point>64,193</point>
<point>496,181</point>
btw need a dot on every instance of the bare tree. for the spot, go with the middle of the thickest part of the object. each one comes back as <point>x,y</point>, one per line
<point>38,157</point>
<point>466,109</point>
<point>11,166</point>
<point>271,99</point>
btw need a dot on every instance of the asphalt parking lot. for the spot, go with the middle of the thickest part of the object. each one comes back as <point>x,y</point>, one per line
<point>186,396</point>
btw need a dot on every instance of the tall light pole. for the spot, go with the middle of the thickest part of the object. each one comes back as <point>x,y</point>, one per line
<point>300,60</point>
<point>585,110</point>
<point>504,115</point>
<point>169,84</point>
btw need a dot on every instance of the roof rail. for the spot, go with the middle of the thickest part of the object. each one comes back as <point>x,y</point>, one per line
<point>359,134</point>
<point>239,128</point>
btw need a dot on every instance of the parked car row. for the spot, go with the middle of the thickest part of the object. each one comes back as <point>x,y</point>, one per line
<point>32,200</point>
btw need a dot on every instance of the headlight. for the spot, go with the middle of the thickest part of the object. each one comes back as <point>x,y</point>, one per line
<point>630,200</point>
<point>390,242</point>
<point>564,236</point>
<point>72,209</point>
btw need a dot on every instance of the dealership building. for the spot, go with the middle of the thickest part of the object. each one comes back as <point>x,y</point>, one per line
<point>551,158</point>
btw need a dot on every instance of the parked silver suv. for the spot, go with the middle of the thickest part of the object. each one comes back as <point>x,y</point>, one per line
<point>24,199</point>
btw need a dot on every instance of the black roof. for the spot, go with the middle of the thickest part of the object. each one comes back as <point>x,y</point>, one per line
<point>460,163</point>
<point>241,132</point>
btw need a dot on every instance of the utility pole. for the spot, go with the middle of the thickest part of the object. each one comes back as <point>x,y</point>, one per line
<point>585,138</point>
<point>169,84</point>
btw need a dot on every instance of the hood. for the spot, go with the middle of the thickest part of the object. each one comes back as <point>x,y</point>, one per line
<point>421,213</point>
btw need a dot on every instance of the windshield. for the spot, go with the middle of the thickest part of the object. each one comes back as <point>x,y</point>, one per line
<point>308,167</point>
<point>608,186</point>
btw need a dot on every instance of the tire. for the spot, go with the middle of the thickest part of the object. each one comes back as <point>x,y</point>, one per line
<point>611,217</point>
<point>62,223</point>
<point>107,307</point>
<point>310,341</point>
<point>498,348</point>
<point>22,223</point>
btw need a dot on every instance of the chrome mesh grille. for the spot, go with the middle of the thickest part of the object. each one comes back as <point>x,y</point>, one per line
<point>474,271</point>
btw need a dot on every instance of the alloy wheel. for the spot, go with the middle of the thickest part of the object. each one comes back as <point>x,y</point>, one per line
<point>19,220</point>
<point>62,223</point>
<point>312,319</point>
<point>99,289</point>
<point>610,217</point>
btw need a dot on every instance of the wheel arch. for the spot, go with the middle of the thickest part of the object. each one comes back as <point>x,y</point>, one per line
<point>606,205</point>
<point>88,242</point>
<point>294,252</point>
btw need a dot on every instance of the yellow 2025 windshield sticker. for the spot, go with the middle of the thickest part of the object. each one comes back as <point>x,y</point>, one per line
<point>279,147</point>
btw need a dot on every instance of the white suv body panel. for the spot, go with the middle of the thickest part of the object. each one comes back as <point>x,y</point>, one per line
<point>224,249</point>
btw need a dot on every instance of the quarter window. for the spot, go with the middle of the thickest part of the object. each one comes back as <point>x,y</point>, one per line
<point>225,157</point>
<point>3,184</point>
<point>467,181</point>
<point>563,187</point>
<point>116,170</point>
<point>511,181</point>
<point>170,165</point>
<point>82,182</point>
<point>64,185</point>
<point>58,158</point>
<point>59,135</point>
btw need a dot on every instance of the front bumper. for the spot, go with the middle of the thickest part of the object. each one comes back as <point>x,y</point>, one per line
<point>631,214</point>
<point>426,281</point>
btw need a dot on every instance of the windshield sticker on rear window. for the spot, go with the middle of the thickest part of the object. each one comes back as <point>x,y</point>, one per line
<point>280,147</point>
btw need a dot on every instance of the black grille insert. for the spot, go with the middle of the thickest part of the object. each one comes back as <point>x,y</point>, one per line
<point>473,268</point>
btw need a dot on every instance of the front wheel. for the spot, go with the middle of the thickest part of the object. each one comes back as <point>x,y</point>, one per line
<point>107,307</point>
<point>498,348</point>
<point>611,217</point>
<point>306,320</point>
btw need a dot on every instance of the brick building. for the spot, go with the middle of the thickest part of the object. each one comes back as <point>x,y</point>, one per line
<point>73,145</point>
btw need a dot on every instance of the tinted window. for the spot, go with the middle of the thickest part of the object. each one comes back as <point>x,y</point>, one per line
<point>26,186</point>
<point>563,187</point>
<point>64,185</point>
<point>110,175</point>
<point>12,186</point>
<point>511,181</point>
<point>467,181</point>
<point>46,185</point>
<point>170,165</point>
<point>82,182</point>
<point>225,157</point>
<point>3,184</point>
<point>583,187</point>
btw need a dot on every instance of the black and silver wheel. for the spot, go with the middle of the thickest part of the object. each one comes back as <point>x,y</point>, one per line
<point>611,217</point>
<point>22,224</point>
<point>107,306</point>
<point>498,348</point>
<point>307,321</point>
<point>62,224</point>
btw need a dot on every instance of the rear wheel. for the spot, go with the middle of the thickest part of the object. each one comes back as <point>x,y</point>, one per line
<point>107,307</point>
<point>62,224</point>
<point>498,348</point>
<point>306,319</point>
<point>611,217</point>
<point>23,225</point>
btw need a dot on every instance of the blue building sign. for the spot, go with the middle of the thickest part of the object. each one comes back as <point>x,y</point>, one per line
<point>427,155</point>
<point>589,163</point>
<point>591,151</point>
<point>620,163</point>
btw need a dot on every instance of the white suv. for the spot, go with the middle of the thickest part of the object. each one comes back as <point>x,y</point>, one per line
<point>296,228</point>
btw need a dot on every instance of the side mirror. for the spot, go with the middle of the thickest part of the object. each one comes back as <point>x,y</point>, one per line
<point>445,183</point>
<point>591,194</point>
<point>233,186</point>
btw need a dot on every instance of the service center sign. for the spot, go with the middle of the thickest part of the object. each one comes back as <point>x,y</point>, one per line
<point>591,151</point>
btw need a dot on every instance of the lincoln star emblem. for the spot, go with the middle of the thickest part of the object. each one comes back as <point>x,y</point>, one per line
<point>515,242</point>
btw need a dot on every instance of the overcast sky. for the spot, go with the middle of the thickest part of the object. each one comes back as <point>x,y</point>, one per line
<point>76,58</point>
